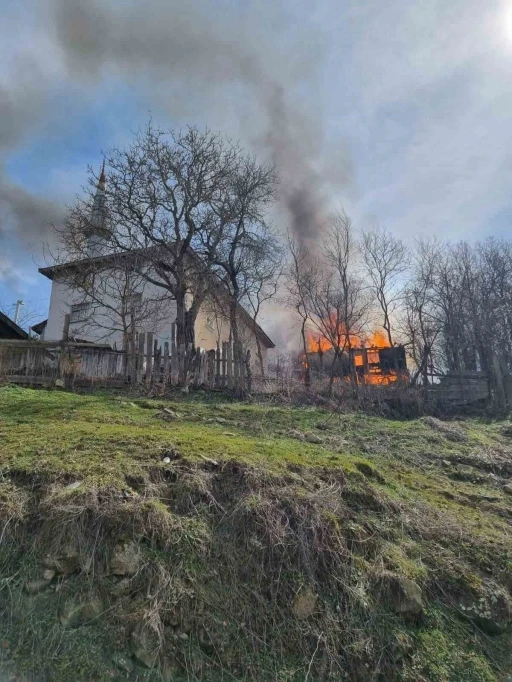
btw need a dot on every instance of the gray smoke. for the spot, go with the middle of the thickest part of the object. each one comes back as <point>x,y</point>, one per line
<point>241,68</point>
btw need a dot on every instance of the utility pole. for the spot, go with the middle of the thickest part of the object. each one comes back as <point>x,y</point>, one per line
<point>16,314</point>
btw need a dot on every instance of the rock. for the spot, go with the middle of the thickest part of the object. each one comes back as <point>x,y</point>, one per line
<point>145,645</point>
<point>221,420</point>
<point>166,460</point>
<point>74,485</point>
<point>304,604</point>
<point>507,488</point>
<point>464,472</point>
<point>125,560</point>
<point>59,383</point>
<point>121,588</point>
<point>122,661</point>
<point>311,437</point>
<point>228,433</point>
<point>297,434</point>
<point>80,612</point>
<point>170,454</point>
<point>36,586</point>
<point>402,595</point>
<point>169,670</point>
<point>194,418</point>
<point>322,426</point>
<point>492,612</point>
<point>64,563</point>
<point>506,430</point>
<point>49,574</point>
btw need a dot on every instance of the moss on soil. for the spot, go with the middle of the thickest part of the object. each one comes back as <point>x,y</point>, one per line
<point>244,516</point>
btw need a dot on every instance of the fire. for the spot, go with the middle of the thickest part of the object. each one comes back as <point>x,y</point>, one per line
<point>364,352</point>
<point>318,343</point>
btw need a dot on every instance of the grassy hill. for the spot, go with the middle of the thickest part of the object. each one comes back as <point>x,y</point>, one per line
<point>203,539</point>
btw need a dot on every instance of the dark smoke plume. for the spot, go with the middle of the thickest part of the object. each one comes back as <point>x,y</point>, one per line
<point>243,69</point>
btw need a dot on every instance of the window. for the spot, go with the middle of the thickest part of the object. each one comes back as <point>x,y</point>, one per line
<point>210,322</point>
<point>133,301</point>
<point>80,312</point>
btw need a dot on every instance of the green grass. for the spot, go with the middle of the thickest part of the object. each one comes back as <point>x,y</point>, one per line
<point>405,508</point>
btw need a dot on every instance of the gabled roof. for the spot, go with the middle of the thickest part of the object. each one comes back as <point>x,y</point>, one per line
<point>10,330</point>
<point>39,327</point>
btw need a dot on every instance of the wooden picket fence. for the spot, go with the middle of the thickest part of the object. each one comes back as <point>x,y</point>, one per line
<point>144,361</point>
<point>227,366</point>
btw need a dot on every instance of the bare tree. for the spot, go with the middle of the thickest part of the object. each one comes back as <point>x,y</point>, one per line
<point>421,324</point>
<point>385,261</point>
<point>301,278</point>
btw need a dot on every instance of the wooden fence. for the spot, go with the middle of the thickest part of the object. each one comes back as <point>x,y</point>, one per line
<point>145,361</point>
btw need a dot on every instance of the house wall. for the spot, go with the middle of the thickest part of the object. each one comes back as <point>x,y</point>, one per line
<point>99,331</point>
<point>210,329</point>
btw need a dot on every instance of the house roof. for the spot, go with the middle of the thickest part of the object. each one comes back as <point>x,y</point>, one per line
<point>39,327</point>
<point>10,330</point>
<point>53,270</point>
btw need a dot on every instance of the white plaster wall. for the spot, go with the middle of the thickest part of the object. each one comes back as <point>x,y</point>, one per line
<point>62,297</point>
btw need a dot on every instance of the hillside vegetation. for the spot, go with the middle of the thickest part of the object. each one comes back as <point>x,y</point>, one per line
<point>203,539</point>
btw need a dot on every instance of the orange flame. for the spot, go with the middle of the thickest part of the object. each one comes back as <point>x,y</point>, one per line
<point>372,374</point>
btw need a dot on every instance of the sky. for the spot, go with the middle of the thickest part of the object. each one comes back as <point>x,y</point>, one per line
<point>398,112</point>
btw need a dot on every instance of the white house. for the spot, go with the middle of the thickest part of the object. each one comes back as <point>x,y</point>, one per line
<point>92,320</point>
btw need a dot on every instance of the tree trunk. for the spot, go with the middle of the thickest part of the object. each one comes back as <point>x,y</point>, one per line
<point>307,373</point>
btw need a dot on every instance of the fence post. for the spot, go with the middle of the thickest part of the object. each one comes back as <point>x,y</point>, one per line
<point>217,367</point>
<point>230,365</point>
<point>149,356</point>
<point>224,363</point>
<point>166,364</point>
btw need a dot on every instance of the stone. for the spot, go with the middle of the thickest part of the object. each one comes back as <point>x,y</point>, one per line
<point>506,430</point>
<point>76,613</point>
<point>297,434</point>
<point>126,559</point>
<point>145,645</point>
<point>49,574</point>
<point>74,485</point>
<point>492,612</point>
<point>312,438</point>
<point>228,433</point>
<point>122,661</point>
<point>221,420</point>
<point>120,588</point>
<point>194,418</point>
<point>170,670</point>
<point>36,586</point>
<point>507,488</point>
<point>66,562</point>
<point>59,383</point>
<point>166,460</point>
<point>401,594</point>
<point>304,604</point>
<point>322,426</point>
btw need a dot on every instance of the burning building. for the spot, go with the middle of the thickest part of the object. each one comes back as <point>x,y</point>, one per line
<point>367,361</point>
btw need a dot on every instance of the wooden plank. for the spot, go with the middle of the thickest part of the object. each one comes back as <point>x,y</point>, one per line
<point>140,358</point>
<point>230,365</point>
<point>224,363</point>
<point>217,367</point>
<point>236,366</point>
<point>248,371</point>
<point>157,365</point>
<point>65,329</point>
<point>149,356</point>
<point>166,364</point>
